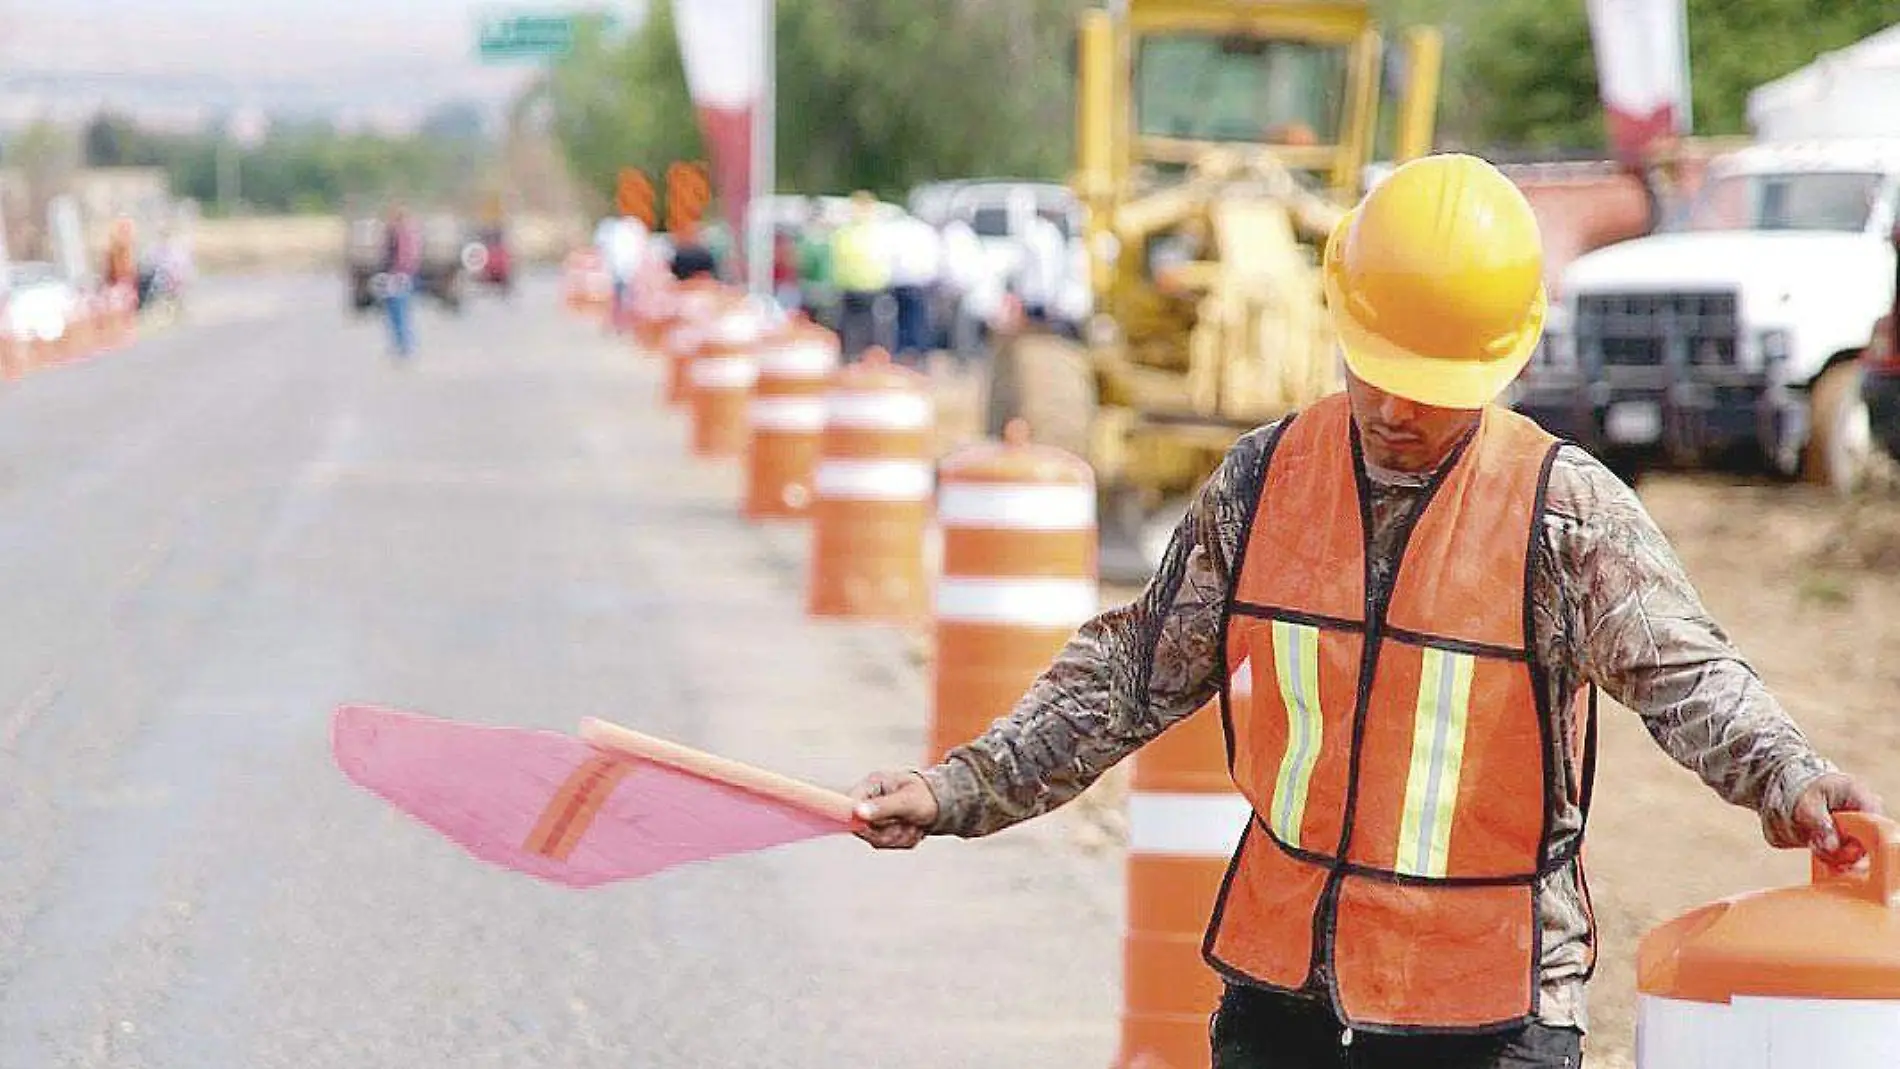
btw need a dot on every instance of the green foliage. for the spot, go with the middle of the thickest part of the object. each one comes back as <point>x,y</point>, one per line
<point>872,94</point>
<point>300,166</point>
<point>1522,72</point>
<point>883,95</point>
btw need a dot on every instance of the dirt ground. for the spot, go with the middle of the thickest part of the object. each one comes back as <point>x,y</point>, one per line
<point>1808,587</point>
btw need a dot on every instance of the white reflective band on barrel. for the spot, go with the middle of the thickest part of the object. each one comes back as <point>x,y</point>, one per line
<point>1186,825</point>
<point>877,411</point>
<point>805,414</point>
<point>1017,506</point>
<point>1751,1032</point>
<point>729,372</point>
<point>808,360</point>
<point>737,328</point>
<point>873,480</point>
<point>1026,602</point>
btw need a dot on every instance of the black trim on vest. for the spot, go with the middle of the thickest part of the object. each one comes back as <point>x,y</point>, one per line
<point>1268,449</point>
<point>1294,616</point>
<point>1267,454</point>
<point>1546,729</point>
<point>1585,795</point>
<point>1353,868</point>
<point>1321,977</point>
<point>1540,681</point>
<point>1260,611</point>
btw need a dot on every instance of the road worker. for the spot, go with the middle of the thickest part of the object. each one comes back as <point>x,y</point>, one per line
<point>861,267</point>
<point>1429,591</point>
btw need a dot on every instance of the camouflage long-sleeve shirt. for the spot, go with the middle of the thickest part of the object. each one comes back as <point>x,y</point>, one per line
<point>1611,607</point>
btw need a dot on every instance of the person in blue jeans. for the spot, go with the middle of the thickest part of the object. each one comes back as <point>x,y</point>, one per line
<point>402,262</point>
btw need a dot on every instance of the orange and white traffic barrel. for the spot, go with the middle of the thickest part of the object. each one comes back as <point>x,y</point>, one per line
<point>1018,576</point>
<point>723,373</point>
<point>872,490</point>
<point>655,308</point>
<point>787,418</point>
<point>699,303</point>
<point>1185,818</point>
<point>1793,978</point>
<point>577,272</point>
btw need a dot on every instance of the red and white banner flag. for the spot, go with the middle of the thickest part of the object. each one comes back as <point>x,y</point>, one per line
<point>611,805</point>
<point>1642,59</point>
<point>722,45</point>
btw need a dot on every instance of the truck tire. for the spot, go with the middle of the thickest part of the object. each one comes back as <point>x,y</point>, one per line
<point>1840,444</point>
<point>1046,381</point>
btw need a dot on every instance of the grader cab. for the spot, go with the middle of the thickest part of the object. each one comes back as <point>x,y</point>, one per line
<point>1218,142</point>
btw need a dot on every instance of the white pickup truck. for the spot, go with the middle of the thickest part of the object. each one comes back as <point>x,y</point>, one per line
<point>1732,331</point>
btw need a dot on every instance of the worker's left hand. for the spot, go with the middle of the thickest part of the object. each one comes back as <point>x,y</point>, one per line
<point>1814,820</point>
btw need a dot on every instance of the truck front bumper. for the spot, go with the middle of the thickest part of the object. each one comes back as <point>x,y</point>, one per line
<point>1677,422</point>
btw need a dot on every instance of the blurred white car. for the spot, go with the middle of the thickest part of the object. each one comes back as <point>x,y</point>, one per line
<point>998,212</point>
<point>36,304</point>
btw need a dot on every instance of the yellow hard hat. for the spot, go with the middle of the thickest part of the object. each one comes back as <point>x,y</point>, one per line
<point>1435,282</point>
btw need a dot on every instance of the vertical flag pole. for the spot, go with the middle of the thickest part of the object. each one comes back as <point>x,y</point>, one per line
<point>764,165</point>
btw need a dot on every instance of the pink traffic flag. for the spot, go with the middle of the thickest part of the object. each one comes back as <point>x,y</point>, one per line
<point>611,805</point>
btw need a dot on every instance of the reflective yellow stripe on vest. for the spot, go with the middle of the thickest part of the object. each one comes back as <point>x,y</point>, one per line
<point>1438,755</point>
<point>1296,662</point>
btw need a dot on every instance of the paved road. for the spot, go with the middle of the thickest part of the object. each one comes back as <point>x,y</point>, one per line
<point>210,539</point>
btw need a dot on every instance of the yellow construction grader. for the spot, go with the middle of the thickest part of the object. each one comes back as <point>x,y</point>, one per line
<point>1218,141</point>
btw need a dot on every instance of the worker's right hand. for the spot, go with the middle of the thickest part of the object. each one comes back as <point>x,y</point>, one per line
<point>896,809</point>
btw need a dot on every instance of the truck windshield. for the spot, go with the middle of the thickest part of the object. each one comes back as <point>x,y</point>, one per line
<point>1801,200</point>
<point>1207,87</point>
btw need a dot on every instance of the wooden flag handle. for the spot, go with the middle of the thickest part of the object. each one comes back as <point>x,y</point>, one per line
<point>824,802</point>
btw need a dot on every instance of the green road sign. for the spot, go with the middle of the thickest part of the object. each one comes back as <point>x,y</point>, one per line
<point>516,37</point>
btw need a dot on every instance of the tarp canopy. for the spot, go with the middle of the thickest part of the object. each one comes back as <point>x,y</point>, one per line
<point>1854,92</point>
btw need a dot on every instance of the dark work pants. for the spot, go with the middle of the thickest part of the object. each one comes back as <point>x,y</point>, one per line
<point>913,323</point>
<point>862,324</point>
<point>1256,1029</point>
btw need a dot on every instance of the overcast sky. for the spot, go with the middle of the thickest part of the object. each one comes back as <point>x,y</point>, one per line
<point>334,49</point>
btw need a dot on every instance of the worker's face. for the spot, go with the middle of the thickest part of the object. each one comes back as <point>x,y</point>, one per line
<point>1401,435</point>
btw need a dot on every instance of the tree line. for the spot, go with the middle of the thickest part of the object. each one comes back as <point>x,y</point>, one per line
<point>297,167</point>
<point>883,96</point>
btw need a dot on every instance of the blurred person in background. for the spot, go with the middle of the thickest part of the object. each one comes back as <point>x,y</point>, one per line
<point>692,258</point>
<point>973,288</point>
<point>122,255</point>
<point>167,267</point>
<point>861,265</point>
<point>402,264</point>
<point>622,242</point>
<point>818,290</point>
<point>1041,270</point>
<point>916,253</point>
<point>785,271</point>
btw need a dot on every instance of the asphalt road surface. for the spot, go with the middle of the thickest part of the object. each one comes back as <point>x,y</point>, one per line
<point>210,539</point>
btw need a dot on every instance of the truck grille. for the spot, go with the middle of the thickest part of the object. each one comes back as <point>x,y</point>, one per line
<point>1653,330</point>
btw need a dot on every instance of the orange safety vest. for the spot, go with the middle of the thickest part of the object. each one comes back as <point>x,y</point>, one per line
<point>1397,753</point>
